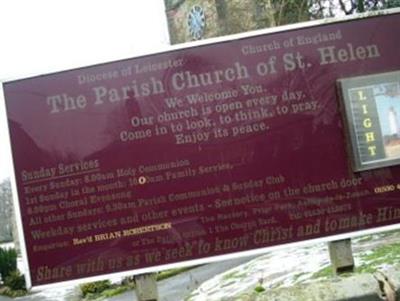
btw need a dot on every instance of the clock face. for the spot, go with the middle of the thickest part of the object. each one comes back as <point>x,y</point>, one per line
<point>196,22</point>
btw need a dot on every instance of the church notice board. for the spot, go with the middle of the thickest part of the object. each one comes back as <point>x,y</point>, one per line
<point>180,157</point>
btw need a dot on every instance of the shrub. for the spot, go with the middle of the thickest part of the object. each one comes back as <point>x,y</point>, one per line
<point>6,291</point>
<point>15,281</point>
<point>259,289</point>
<point>8,262</point>
<point>95,287</point>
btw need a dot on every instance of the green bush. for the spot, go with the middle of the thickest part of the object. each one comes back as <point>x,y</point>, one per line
<point>6,291</point>
<point>259,289</point>
<point>8,262</point>
<point>95,287</point>
<point>15,281</point>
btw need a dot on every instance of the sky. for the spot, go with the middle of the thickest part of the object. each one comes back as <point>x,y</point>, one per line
<point>45,36</point>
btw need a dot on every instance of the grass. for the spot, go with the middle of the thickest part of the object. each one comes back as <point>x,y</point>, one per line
<point>110,292</point>
<point>117,289</point>
<point>370,263</point>
<point>234,275</point>
<point>325,272</point>
<point>114,291</point>
<point>259,289</point>
<point>298,275</point>
<point>387,254</point>
<point>364,238</point>
<point>6,291</point>
<point>173,272</point>
<point>228,283</point>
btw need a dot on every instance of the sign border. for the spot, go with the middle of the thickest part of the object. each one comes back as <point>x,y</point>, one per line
<point>259,251</point>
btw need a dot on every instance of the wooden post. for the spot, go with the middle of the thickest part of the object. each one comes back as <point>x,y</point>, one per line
<point>146,287</point>
<point>341,256</point>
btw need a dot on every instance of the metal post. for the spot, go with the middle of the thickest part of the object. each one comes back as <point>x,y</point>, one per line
<point>341,256</point>
<point>146,287</point>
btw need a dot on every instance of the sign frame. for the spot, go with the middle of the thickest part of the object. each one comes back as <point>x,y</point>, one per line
<point>370,127</point>
<point>212,258</point>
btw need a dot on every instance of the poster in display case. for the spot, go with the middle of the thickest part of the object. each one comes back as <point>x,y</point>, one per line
<point>372,115</point>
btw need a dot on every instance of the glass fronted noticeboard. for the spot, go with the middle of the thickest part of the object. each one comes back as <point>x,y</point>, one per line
<point>372,113</point>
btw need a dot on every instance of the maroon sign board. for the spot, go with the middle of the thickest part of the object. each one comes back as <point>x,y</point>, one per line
<point>192,154</point>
